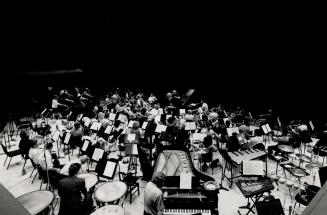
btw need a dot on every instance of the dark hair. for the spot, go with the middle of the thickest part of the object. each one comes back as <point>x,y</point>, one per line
<point>48,145</point>
<point>23,135</point>
<point>74,168</point>
<point>158,179</point>
<point>77,125</point>
<point>117,123</point>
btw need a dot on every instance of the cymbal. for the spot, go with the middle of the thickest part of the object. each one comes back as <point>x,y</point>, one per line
<point>298,172</point>
<point>302,157</point>
<point>286,148</point>
<point>310,166</point>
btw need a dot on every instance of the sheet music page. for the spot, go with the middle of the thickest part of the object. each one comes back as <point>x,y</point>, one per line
<point>157,130</point>
<point>131,137</point>
<point>225,120</point>
<point>108,129</point>
<point>95,126</point>
<point>199,137</point>
<point>229,131</point>
<point>135,150</point>
<point>100,153</point>
<point>268,128</point>
<point>185,180</point>
<point>112,116</point>
<point>236,130</point>
<point>67,137</point>
<point>264,129</point>
<point>121,117</point>
<point>190,126</point>
<point>87,121</point>
<point>109,169</point>
<point>253,167</point>
<point>95,155</point>
<point>157,118</point>
<point>311,125</point>
<point>168,116</point>
<point>161,111</point>
<point>181,111</point>
<point>130,124</point>
<point>85,145</point>
<point>144,125</point>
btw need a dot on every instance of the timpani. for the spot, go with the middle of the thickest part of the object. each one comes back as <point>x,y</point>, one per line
<point>90,180</point>
<point>110,192</point>
<point>36,202</point>
<point>109,209</point>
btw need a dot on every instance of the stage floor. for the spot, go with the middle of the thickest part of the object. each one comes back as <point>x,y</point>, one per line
<point>228,203</point>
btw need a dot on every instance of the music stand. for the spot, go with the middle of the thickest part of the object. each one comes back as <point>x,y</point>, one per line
<point>106,168</point>
<point>131,150</point>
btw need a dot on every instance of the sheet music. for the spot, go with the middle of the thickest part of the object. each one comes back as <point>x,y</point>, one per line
<point>199,137</point>
<point>225,120</point>
<point>112,116</point>
<point>190,126</point>
<point>264,129</point>
<point>109,169</point>
<point>96,126</point>
<point>121,117</point>
<point>181,111</point>
<point>268,128</point>
<point>157,118</point>
<point>130,124</point>
<point>253,168</point>
<point>232,130</point>
<point>160,128</point>
<point>67,137</point>
<point>131,137</point>
<point>85,145</point>
<point>161,111</point>
<point>168,116</point>
<point>108,129</point>
<point>131,149</point>
<point>97,154</point>
<point>87,121</point>
<point>185,180</point>
<point>144,125</point>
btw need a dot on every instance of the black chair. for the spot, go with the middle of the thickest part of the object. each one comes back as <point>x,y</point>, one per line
<point>229,164</point>
<point>43,175</point>
<point>10,154</point>
<point>305,197</point>
<point>132,183</point>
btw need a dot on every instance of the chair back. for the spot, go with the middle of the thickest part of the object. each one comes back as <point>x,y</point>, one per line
<point>4,148</point>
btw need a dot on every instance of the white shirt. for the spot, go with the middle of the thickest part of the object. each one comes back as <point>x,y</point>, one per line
<point>46,160</point>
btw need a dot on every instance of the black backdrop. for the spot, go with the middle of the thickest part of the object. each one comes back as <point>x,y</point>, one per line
<point>245,58</point>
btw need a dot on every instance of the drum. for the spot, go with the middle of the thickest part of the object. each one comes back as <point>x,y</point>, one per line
<point>36,202</point>
<point>109,209</point>
<point>110,191</point>
<point>286,148</point>
<point>289,183</point>
<point>90,180</point>
<point>274,177</point>
<point>298,172</point>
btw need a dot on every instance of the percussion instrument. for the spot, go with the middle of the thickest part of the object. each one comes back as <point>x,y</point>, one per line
<point>282,180</point>
<point>110,191</point>
<point>311,166</point>
<point>298,172</point>
<point>286,148</point>
<point>302,157</point>
<point>292,155</point>
<point>246,155</point>
<point>289,183</point>
<point>109,209</point>
<point>90,179</point>
<point>274,177</point>
<point>254,189</point>
<point>37,201</point>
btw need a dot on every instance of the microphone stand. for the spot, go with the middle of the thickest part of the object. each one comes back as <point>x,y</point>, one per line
<point>45,158</point>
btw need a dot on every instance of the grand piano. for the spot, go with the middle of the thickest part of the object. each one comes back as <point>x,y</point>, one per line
<point>172,161</point>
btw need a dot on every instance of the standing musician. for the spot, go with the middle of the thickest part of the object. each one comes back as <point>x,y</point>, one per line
<point>70,190</point>
<point>153,195</point>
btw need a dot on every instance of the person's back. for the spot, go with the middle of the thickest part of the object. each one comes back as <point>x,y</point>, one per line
<point>153,196</point>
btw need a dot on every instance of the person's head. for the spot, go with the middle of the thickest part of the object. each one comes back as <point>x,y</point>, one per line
<point>158,179</point>
<point>77,125</point>
<point>143,111</point>
<point>23,135</point>
<point>136,125</point>
<point>84,159</point>
<point>117,123</point>
<point>74,168</point>
<point>49,146</point>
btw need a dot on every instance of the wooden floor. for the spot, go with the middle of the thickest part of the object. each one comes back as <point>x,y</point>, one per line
<point>228,203</point>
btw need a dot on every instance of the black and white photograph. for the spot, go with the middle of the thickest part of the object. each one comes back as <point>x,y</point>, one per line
<point>170,110</point>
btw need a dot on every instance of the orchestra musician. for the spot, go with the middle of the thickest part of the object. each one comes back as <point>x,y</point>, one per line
<point>70,190</point>
<point>153,195</point>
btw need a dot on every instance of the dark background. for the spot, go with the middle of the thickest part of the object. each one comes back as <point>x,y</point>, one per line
<point>255,58</point>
